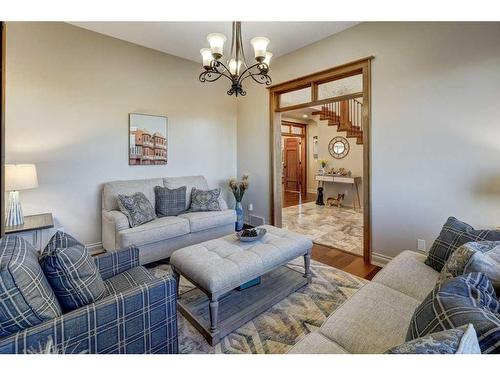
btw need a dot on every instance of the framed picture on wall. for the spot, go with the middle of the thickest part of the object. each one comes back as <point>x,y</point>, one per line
<point>148,139</point>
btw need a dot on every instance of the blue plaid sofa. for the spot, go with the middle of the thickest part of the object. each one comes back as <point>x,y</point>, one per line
<point>138,315</point>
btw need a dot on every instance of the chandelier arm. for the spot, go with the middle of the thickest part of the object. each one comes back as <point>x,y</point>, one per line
<point>261,72</point>
<point>215,66</point>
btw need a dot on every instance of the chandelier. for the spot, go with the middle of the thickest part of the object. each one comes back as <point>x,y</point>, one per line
<point>237,68</point>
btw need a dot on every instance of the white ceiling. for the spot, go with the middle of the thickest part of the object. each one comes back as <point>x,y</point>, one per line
<point>185,39</point>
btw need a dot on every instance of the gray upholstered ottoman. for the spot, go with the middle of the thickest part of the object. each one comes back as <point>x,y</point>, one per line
<point>219,266</point>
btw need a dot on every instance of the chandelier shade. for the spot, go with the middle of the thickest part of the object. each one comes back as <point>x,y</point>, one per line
<point>236,68</point>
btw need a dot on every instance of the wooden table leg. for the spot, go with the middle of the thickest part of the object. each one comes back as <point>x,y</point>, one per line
<point>214,312</point>
<point>357,194</point>
<point>307,266</point>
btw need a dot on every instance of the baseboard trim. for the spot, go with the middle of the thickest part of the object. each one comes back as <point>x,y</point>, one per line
<point>380,259</point>
<point>95,248</point>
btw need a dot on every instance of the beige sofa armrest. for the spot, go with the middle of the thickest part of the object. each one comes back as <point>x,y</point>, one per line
<point>112,223</point>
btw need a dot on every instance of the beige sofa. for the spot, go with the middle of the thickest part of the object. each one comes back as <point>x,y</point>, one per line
<point>159,238</point>
<point>377,317</point>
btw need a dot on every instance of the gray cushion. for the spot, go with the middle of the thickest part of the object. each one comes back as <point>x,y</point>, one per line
<point>137,208</point>
<point>226,263</point>
<point>111,190</point>
<point>199,221</point>
<point>408,274</point>
<point>465,299</point>
<point>198,182</point>
<point>461,340</point>
<point>373,320</point>
<point>159,229</point>
<point>127,280</point>
<point>483,256</point>
<point>454,234</point>
<point>71,272</point>
<point>170,202</point>
<point>25,294</point>
<point>205,200</point>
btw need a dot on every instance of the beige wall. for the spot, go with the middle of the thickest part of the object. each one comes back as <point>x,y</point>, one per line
<point>69,93</point>
<point>435,125</point>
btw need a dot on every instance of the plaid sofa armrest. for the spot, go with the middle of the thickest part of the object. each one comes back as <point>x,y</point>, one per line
<point>140,320</point>
<point>114,262</point>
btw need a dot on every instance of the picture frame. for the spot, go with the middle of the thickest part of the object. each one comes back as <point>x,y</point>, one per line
<point>148,139</point>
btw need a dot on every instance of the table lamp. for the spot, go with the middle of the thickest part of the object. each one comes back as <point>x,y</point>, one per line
<point>18,177</point>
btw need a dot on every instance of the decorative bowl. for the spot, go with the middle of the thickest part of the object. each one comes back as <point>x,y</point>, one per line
<point>250,235</point>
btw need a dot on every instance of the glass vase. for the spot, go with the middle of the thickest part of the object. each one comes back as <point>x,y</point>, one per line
<point>239,216</point>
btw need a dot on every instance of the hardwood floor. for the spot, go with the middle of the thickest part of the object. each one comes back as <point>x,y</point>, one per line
<point>346,262</point>
<point>293,199</point>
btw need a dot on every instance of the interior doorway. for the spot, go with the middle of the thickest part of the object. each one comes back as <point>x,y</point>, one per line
<point>326,163</point>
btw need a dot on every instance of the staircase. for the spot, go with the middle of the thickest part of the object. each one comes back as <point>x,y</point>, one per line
<point>346,115</point>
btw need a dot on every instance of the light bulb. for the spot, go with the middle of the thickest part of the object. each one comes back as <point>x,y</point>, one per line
<point>260,46</point>
<point>234,67</point>
<point>216,41</point>
<point>206,54</point>
<point>267,59</point>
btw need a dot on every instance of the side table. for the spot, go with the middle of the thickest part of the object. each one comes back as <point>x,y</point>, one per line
<point>32,229</point>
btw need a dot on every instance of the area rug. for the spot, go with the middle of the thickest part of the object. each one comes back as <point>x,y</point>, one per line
<point>276,330</point>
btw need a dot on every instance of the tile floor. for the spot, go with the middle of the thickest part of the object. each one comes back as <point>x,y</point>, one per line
<point>341,228</point>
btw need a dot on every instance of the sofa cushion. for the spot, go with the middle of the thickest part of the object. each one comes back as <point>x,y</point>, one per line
<point>199,221</point>
<point>169,202</point>
<point>408,274</point>
<point>373,320</point>
<point>461,340</point>
<point>190,182</point>
<point>25,294</point>
<point>483,256</point>
<point>316,343</point>
<point>127,280</point>
<point>71,272</point>
<point>465,299</point>
<point>159,229</point>
<point>111,190</point>
<point>205,200</point>
<point>137,208</point>
<point>454,234</point>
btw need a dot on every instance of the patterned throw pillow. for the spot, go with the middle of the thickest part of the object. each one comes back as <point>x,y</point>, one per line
<point>461,340</point>
<point>454,234</point>
<point>71,272</point>
<point>205,200</point>
<point>25,294</point>
<point>465,299</point>
<point>137,208</point>
<point>481,256</point>
<point>170,202</point>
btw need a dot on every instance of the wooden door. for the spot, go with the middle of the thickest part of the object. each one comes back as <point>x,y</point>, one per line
<point>291,165</point>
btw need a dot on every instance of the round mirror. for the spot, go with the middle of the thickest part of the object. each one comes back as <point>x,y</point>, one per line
<point>338,147</point>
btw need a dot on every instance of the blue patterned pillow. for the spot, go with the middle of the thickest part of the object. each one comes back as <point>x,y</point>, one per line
<point>71,272</point>
<point>461,340</point>
<point>454,234</point>
<point>170,202</point>
<point>137,208</point>
<point>205,200</point>
<point>26,297</point>
<point>465,299</point>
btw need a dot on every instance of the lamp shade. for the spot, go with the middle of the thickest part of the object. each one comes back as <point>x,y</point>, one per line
<point>20,177</point>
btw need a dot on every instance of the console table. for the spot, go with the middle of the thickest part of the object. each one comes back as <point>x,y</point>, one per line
<point>351,180</point>
<point>32,228</point>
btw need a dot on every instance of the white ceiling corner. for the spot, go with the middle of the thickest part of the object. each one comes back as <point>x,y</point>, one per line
<point>184,39</point>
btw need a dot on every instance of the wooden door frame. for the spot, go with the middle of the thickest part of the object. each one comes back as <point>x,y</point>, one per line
<point>303,151</point>
<point>361,66</point>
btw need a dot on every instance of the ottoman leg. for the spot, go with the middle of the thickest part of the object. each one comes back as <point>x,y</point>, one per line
<point>214,311</point>
<point>307,266</point>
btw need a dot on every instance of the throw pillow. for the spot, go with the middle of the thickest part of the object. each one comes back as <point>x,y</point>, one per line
<point>170,202</point>
<point>461,340</point>
<point>205,200</point>
<point>71,272</point>
<point>465,299</point>
<point>26,296</point>
<point>137,208</point>
<point>454,234</point>
<point>481,256</point>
